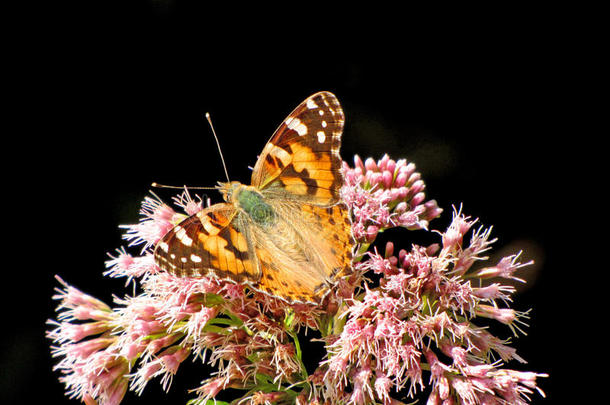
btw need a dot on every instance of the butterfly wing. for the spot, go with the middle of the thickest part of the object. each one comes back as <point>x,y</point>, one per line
<point>301,160</point>
<point>310,247</point>
<point>213,242</point>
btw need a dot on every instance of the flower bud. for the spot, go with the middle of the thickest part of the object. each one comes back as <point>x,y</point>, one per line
<point>370,165</point>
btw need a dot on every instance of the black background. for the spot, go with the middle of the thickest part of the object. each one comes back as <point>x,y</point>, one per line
<point>110,98</point>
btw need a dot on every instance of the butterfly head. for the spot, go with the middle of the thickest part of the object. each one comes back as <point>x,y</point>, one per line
<point>229,190</point>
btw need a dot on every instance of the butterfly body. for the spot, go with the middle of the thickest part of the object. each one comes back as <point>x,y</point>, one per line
<point>286,234</point>
<point>250,202</point>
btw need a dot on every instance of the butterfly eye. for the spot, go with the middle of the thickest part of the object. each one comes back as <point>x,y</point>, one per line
<point>228,190</point>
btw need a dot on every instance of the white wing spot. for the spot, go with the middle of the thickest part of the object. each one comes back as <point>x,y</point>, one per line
<point>183,259</point>
<point>195,258</point>
<point>301,129</point>
<point>324,124</point>
<point>292,123</point>
<point>164,246</point>
<point>296,125</point>
<point>321,112</point>
<point>182,237</point>
<point>311,104</point>
<point>321,136</point>
<point>209,227</point>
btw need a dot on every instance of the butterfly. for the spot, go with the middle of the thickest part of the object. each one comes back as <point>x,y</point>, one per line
<point>287,234</point>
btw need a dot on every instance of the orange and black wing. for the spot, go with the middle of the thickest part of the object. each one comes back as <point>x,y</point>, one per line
<point>209,243</point>
<point>301,161</point>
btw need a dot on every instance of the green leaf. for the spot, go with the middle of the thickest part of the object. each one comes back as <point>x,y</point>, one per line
<point>263,379</point>
<point>216,329</point>
<point>223,321</point>
<point>237,321</point>
<point>212,300</point>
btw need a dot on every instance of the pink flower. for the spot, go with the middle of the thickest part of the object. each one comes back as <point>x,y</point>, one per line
<point>383,385</point>
<point>363,391</point>
<point>386,194</point>
<point>505,268</point>
<point>212,388</point>
<point>125,265</point>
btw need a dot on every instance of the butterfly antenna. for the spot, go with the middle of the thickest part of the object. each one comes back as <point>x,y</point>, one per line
<point>207,116</point>
<point>157,185</point>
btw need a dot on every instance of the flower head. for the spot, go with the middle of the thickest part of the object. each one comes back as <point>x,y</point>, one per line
<point>402,320</point>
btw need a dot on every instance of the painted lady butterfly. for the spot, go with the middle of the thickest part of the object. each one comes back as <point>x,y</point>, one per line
<point>287,234</point>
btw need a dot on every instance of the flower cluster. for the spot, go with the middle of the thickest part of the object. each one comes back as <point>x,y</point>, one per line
<point>416,327</point>
<point>385,194</point>
<point>425,306</point>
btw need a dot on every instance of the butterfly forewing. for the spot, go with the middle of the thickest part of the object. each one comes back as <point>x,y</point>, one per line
<point>208,243</point>
<point>301,160</point>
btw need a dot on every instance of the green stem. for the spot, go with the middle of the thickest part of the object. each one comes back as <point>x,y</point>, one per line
<point>299,354</point>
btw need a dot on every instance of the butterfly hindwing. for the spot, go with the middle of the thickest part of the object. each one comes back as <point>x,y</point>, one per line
<point>310,246</point>
<point>301,160</point>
